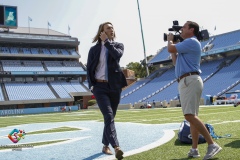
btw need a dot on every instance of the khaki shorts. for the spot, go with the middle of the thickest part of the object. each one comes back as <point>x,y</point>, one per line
<point>190,90</point>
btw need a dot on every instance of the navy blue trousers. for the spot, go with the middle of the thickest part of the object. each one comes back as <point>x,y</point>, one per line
<point>108,100</point>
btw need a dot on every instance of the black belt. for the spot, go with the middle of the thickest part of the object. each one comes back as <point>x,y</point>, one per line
<point>101,80</point>
<point>187,74</point>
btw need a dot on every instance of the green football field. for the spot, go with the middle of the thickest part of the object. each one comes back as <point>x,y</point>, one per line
<point>225,120</point>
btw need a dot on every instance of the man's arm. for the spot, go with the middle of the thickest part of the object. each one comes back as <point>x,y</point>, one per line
<point>115,49</point>
<point>172,48</point>
<point>89,63</point>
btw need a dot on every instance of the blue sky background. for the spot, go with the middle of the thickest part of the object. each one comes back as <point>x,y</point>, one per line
<point>84,17</point>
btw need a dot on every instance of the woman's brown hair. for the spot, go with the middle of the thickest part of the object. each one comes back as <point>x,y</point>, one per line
<point>100,29</point>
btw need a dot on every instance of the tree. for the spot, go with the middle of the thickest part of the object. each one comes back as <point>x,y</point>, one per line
<point>150,68</point>
<point>140,68</point>
<point>137,68</point>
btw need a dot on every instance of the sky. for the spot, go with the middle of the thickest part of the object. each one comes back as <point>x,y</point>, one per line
<point>84,17</point>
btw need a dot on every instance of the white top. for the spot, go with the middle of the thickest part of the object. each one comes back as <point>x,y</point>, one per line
<point>102,64</point>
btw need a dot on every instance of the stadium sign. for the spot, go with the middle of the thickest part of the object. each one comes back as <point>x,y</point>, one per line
<point>8,16</point>
<point>8,112</point>
<point>12,112</point>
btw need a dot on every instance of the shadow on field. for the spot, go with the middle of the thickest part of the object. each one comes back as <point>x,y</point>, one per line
<point>178,143</point>
<point>233,144</point>
<point>93,156</point>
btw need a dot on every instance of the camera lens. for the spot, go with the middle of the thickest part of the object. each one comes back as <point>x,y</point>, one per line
<point>165,36</point>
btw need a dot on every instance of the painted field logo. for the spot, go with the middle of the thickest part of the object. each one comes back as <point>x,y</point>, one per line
<point>16,135</point>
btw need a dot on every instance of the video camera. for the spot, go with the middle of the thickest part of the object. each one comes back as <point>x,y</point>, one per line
<point>202,35</point>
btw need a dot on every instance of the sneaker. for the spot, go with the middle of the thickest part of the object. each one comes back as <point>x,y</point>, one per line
<point>193,153</point>
<point>212,151</point>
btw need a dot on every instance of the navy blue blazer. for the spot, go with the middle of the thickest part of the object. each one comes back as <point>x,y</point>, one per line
<point>116,78</point>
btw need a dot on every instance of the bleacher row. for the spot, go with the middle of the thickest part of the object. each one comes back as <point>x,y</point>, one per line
<point>216,81</point>
<point>218,41</point>
<point>219,75</point>
<point>47,51</point>
<point>40,90</point>
<point>27,65</point>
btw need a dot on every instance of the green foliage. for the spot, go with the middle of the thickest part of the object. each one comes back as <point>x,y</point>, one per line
<point>92,102</point>
<point>140,68</point>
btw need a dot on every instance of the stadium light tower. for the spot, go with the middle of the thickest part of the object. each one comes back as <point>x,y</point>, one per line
<point>145,57</point>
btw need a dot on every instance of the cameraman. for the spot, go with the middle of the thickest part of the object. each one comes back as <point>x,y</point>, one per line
<point>186,56</point>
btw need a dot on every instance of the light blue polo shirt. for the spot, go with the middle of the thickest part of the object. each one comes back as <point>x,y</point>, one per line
<point>189,56</point>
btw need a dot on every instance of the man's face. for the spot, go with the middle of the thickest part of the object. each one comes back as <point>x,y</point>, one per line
<point>186,31</point>
<point>108,29</point>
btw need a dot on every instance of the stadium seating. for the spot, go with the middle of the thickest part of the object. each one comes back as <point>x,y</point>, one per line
<point>28,91</point>
<point>26,51</point>
<point>226,39</point>
<point>47,51</point>
<point>219,74</point>
<point>13,50</point>
<point>63,66</point>
<point>64,52</point>
<point>4,50</point>
<point>164,55</point>
<point>134,87</point>
<point>60,90</point>
<point>150,87</point>
<point>227,76</point>
<point>78,87</point>
<point>1,95</point>
<point>85,83</point>
<point>17,65</point>
<point>161,88</point>
<point>40,90</point>
<point>34,51</point>
<point>40,69</point>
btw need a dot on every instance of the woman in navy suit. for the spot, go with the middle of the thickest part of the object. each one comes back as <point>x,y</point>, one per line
<point>106,81</point>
